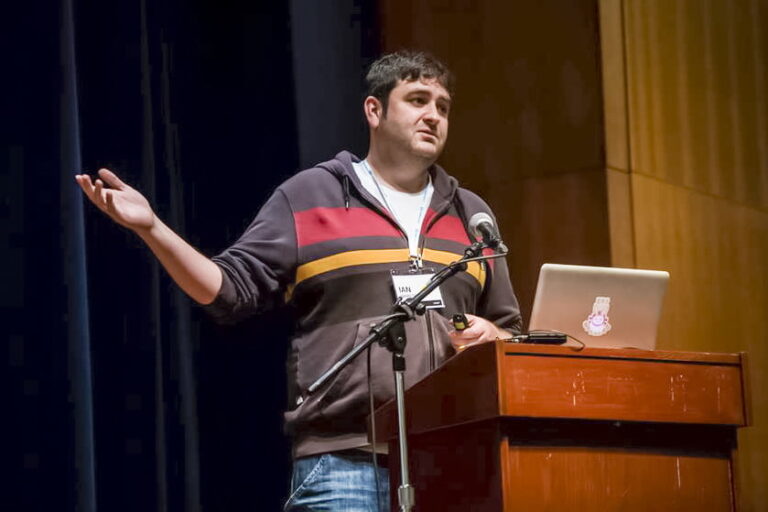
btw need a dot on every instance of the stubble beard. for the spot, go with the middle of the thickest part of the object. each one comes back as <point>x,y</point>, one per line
<point>427,150</point>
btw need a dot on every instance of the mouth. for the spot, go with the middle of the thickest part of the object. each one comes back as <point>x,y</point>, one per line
<point>428,134</point>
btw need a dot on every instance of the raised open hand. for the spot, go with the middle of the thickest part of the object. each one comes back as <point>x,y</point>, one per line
<point>124,204</point>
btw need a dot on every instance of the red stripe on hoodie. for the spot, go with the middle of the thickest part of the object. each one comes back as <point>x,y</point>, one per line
<point>451,228</point>
<point>322,224</point>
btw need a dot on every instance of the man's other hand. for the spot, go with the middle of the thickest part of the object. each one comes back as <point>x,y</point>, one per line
<point>124,204</point>
<point>479,330</point>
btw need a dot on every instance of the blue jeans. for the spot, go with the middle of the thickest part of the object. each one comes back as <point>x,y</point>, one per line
<point>338,482</point>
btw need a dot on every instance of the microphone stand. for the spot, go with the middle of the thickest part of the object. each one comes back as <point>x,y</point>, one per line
<point>390,333</point>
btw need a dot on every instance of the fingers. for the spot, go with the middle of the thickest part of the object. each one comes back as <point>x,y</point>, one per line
<point>470,333</point>
<point>87,186</point>
<point>84,181</point>
<point>110,200</point>
<point>479,330</point>
<point>111,179</point>
<point>460,340</point>
<point>98,190</point>
<point>103,197</point>
<point>95,192</point>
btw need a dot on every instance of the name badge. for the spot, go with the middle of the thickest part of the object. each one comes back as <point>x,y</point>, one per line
<point>407,284</point>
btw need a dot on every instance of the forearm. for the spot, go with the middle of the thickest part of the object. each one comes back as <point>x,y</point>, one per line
<point>197,275</point>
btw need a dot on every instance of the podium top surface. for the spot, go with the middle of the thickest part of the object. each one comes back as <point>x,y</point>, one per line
<point>507,380</point>
<point>618,353</point>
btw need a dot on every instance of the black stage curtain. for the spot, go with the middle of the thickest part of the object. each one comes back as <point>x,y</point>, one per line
<point>124,396</point>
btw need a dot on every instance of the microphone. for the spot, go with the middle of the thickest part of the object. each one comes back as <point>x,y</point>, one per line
<point>481,225</point>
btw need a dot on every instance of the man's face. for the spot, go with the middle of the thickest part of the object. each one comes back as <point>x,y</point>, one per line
<point>416,119</point>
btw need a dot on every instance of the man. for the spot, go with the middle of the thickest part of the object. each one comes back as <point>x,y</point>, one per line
<point>329,241</point>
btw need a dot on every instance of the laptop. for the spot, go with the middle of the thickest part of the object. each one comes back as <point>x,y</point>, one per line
<point>601,306</point>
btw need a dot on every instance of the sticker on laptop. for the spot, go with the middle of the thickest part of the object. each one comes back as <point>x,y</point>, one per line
<point>598,323</point>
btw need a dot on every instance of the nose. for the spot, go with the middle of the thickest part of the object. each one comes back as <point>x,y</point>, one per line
<point>432,115</point>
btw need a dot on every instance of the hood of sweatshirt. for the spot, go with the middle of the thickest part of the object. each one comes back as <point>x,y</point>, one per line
<point>445,186</point>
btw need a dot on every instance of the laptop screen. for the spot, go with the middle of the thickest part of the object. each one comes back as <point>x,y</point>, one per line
<point>600,306</point>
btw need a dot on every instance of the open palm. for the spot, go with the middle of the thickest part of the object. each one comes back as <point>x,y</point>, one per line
<point>124,204</point>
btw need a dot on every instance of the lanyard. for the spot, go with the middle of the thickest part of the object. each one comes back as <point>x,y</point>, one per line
<point>415,256</point>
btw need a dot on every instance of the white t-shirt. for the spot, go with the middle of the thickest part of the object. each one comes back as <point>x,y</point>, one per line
<point>408,209</point>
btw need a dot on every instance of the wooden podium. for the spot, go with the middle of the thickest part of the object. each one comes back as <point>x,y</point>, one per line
<point>513,427</point>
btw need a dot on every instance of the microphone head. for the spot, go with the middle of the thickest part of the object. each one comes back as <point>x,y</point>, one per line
<point>476,220</point>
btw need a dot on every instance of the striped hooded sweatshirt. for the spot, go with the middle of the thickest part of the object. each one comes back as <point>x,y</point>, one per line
<point>328,247</point>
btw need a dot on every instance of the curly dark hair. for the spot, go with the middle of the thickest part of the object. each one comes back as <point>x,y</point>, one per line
<point>405,65</point>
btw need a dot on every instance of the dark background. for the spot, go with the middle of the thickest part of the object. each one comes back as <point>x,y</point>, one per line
<point>122,395</point>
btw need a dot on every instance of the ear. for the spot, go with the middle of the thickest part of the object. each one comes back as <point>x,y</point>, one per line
<point>373,111</point>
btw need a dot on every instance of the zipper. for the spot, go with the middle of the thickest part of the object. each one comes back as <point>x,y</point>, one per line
<point>438,214</point>
<point>345,187</point>
<point>430,343</point>
<point>430,336</point>
<point>369,201</point>
<point>367,198</point>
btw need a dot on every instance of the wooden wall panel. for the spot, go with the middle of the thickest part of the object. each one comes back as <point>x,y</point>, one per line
<point>697,94</point>
<point>526,126</point>
<point>678,180</point>
<point>691,196</point>
<point>716,252</point>
<point>620,220</point>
